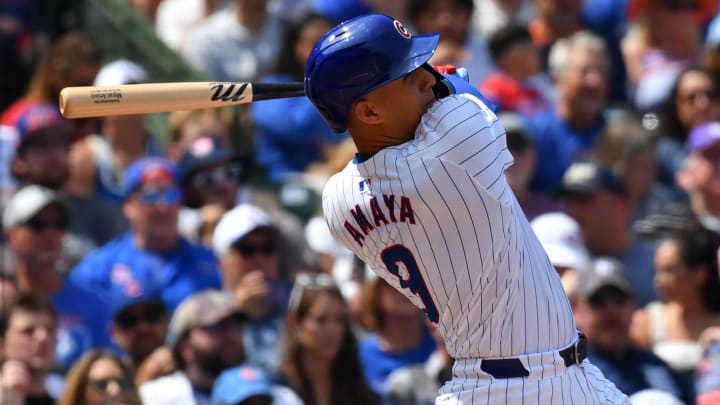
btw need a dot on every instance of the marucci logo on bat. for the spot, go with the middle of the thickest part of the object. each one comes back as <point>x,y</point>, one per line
<point>228,95</point>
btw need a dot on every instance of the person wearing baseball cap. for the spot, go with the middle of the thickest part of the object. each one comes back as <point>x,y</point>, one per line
<point>138,317</point>
<point>246,243</point>
<point>206,337</point>
<point>36,220</point>
<point>153,248</point>
<point>700,174</point>
<point>603,304</point>
<point>598,201</point>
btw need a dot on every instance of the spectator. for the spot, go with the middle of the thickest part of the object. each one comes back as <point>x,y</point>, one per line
<point>246,244</point>
<point>520,173</point>
<point>43,139</point>
<point>399,335</point>
<point>492,15</point>
<point>35,221</point>
<point>138,321</point>
<point>186,125</point>
<point>598,201</point>
<point>246,385</point>
<point>519,85</point>
<point>320,360</point>
<point>99,378</point>
<point>567,133</point>
<point>629,151</point>
<point>453,21</point>
<point>237,43</point>
<point>603,305</point>
<point>73,60</point>
<point>700,175</point>
<point>665,38</point>
<point>206,338</point>
<point>418,384</point>
<point>152,250</point>
<point>289,134</point>
<point>210,174</point>
<point>686,275</point>
<point>29,331</point>
<point>332,257</point>
<point>124,136</point>
<point>563,242</point>
<point>694,100</point>
<point>175,19</point>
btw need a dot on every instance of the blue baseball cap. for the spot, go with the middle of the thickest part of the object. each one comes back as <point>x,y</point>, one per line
<point>128,288</point>
<point>39,119</point>
<point>240,383</point>
<point>702,137</point>
<point>145,170</point>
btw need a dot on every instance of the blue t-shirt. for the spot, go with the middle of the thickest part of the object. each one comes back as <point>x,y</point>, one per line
<point>378,364</point>
<point>81,323</point>
<point>189,268</point>
<point>290,133</point>
<point>638,370</point>
<point>558,145</point>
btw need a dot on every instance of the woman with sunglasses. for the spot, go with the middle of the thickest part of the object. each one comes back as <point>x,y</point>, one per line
<point>320,352</point>
<point>99,378</point>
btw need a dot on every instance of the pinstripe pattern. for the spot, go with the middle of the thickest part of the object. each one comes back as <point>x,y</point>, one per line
<point>441,202</point>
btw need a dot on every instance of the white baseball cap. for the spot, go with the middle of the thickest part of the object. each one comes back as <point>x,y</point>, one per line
<point>562,240</point>
<point>120,72</point>
<point>236,224</point>
<point>26,202</point>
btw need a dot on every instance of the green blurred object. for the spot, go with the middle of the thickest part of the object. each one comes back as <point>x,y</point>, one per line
<point>122,33</point>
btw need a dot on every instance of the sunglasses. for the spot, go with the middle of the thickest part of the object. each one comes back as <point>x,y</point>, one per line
<point>304,282</point>
<point>39,224</point>
<point>218,175</point>
<point>251,249</point>
<point>102,384</point>
<point>129,320</point>
<point>169,196</point>
<point>608,296</point>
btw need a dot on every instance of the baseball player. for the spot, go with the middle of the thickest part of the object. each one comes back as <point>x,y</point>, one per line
<point>426,205</point>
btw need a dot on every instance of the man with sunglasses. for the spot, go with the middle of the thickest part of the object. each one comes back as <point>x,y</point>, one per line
<point>246,244</point>
<point>603,305</point>
<point>153,249</point>
<point>139,324</point>
<point>35,220</point>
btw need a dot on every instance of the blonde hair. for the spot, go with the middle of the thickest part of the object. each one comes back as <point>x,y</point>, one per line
<point>564,47</point>
<point>77,378</point>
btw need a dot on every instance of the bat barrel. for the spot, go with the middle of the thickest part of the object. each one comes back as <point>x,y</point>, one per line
<point>98,101</point>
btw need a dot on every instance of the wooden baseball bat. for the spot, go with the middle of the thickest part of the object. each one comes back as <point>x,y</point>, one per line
<point>98,101</point>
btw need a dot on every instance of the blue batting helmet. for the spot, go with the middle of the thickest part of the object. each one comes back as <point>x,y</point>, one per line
<point>358,56</point>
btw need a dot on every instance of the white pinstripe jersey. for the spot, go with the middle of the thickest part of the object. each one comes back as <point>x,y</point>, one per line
<point>436,218</point>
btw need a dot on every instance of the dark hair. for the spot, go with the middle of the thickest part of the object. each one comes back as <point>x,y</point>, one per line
<point>416,7</point>
<point>25,301</point>
<point>503,39</point>
<point>699,251</point>
<point>348,382</point>
<point>287,62</point>
<point>670,125</point>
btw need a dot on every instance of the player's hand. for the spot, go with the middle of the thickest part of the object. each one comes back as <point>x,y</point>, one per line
<point>252,294</point>
<point>14,383</point>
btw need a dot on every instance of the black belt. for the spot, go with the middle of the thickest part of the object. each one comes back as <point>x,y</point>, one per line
<point>514,368</point>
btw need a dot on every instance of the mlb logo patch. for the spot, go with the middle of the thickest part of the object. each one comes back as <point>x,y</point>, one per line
<point>365,185</point>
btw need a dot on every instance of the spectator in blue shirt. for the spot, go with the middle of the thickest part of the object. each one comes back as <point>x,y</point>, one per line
<point>289,133</point>
<point>152,250</point>
<point>35,221</point>
<point>579,66</point>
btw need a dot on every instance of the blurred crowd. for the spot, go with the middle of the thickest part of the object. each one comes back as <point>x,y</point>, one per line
<point>175,268</point>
